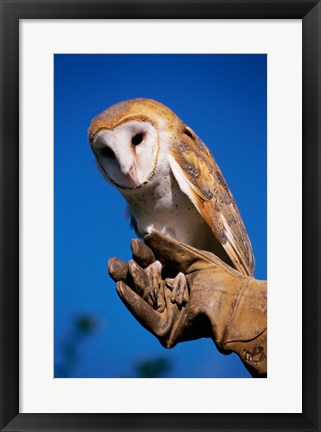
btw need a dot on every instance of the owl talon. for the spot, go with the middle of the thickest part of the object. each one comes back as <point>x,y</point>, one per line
<point>179,289</point>
<point>153,296</point>
<point>154,274</point>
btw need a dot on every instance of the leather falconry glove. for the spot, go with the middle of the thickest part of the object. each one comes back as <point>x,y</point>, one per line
<point>221,303</point>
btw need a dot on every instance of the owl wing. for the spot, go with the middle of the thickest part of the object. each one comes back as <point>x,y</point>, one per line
<point>200,178</point>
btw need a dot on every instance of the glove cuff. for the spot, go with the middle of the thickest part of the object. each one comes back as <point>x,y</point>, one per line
<point>246,331</point>
<point>253,354</point>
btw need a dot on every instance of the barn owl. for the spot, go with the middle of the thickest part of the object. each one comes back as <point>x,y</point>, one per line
<point>170,181</point>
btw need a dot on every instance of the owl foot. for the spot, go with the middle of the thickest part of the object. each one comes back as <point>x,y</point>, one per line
<point>179,289</point>
<point>154,273</point>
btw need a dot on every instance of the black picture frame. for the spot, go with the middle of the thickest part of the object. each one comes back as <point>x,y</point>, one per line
<point>11,12</point>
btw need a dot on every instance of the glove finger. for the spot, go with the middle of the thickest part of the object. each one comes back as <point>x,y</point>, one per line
<point>142,254</point>
<point>177,255</point>
<point>142,311</point>
<point>140,279</point>
<point>143,285</point>
<point>117,269</point>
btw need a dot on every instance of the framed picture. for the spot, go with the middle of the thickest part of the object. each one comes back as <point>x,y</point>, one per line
<point>72,355</point>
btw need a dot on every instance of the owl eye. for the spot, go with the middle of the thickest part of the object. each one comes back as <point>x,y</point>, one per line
<point>137,139</point>
<point>107,153</point>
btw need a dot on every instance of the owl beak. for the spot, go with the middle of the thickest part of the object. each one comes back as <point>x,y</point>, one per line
<point>132,174</point>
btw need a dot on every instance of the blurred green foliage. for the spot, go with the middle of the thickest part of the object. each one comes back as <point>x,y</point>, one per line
<point>155,368</point>
<point>83,326</point>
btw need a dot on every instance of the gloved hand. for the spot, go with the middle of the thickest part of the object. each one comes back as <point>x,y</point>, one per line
<point>221,304</point>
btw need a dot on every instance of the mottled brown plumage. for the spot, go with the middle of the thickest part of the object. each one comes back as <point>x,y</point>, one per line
<point>213,199</point>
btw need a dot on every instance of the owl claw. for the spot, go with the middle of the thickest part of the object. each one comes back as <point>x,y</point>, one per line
<point>154,274</point>
<point>179,289</point>
<point>154,298</point>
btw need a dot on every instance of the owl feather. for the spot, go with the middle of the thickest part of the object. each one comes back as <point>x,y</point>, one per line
<point>200,178</point>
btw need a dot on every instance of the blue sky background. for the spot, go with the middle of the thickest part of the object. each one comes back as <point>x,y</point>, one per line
<point>221,97</point>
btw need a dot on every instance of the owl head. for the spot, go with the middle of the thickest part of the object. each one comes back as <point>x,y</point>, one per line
<point>128,140</point>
